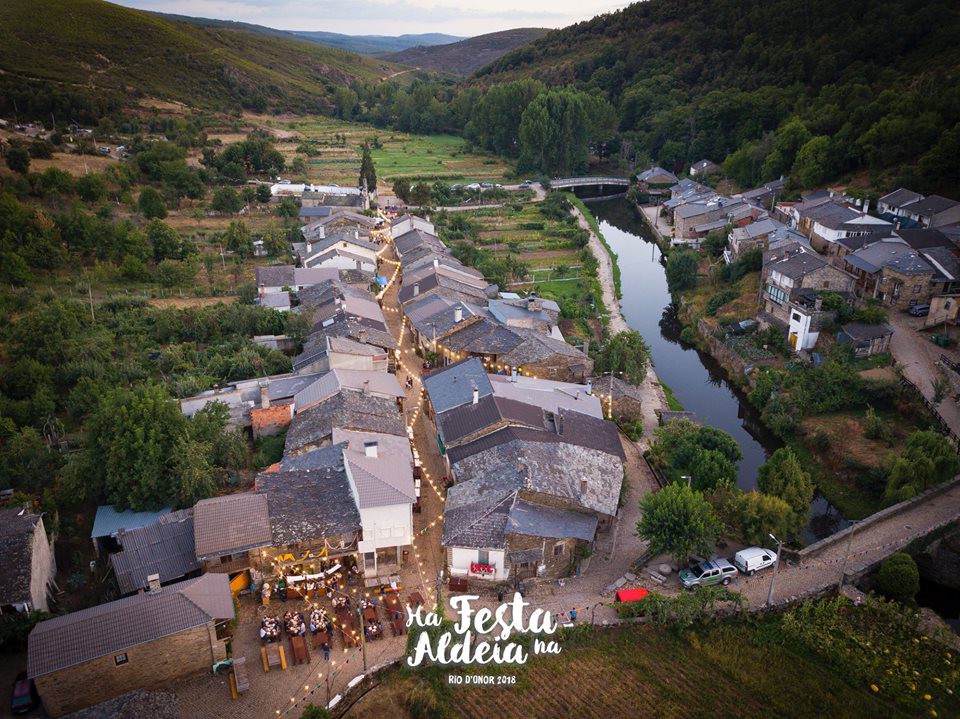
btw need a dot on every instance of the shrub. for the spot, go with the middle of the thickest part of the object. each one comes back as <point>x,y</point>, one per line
<point>899,577</point>
<point>718,301</point>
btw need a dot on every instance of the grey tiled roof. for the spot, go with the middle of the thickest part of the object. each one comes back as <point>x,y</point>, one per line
<point>900,197</point>
<point>330,456</point>
<point>535,520</point>
<point>309,505</point>
<point>230,524</point>
<point>536,346</point>
<point>453,385</point>
<point>489,411</point>
<point>923,239</point>
<point>798,265</point>
<point>860,331</point>
<point>480,523</point>
<point>484,337</point>
<point>930,205</point>
<point>112,628</point>
<point>347,410</point>
<point>16,547</point>
<point>275,276</point>
<point>165,548</point>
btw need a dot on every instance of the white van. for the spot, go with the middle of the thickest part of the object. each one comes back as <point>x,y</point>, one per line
<point>751,559</point>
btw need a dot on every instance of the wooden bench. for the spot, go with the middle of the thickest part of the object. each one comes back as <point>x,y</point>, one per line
<point>458,584</point>
<point>273,656</point>
<point>239,681</point>
<point>298,647</point>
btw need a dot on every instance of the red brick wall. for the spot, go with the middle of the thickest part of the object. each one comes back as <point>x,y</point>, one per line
<point>269,421</point>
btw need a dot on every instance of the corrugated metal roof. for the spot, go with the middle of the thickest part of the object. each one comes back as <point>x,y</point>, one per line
<point>109,521</point>
<point>165,548</point>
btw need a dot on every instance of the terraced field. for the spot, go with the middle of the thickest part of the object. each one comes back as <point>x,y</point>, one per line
<point>650,671</point>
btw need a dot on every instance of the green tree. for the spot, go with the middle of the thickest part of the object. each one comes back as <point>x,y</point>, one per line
<point>401,188</point>
<point>192,472</point>
<point>782,476</point>
<point>226,201</point>
<point>131,447</point>
<point>91,188</point>
<point>421,195</point>
<point>678,521</point>
<point>275,241</point>
<point>763,514</point>
<point>238,238</point>
<point>151,204</point>
<point>18,159</point>
<point>681,270</point>
<point>263,194</point>
<point>496,118</point>
<point>814,163</point>
<point>899,577</point>
<point>625,354</point>
<point>711,468</point>
<point>554,134</point>
<point>928,459</point>
<point>312,711</point>
<point>164,240</point>
<point>367,170</point>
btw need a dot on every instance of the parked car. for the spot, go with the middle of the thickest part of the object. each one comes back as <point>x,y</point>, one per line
<point>24,697</point>
<point>752,559</point>
<point>526,183</point>
<point>919,311</point>
<point>486,185</point>
<point>713,571</point>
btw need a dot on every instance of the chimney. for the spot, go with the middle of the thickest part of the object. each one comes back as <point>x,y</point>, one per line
<point>264,395</point>
<point>818,304</point>
<point>589,386</point>
<point>362,335</point>
<point>416,289</point>
<point>476,395</point>
<point>323,232</point>
<point>153,582</point>
<point>366,386</point>
<point>356,234</point>
<point>513,374</point>
<point>866,206</point>
<point>458,313</point>
<point>436,262</point>
<point>534,304</point>
<point>370,449</point>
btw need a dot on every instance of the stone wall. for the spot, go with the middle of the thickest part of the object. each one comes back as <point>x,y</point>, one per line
<point>556,565</point>
<point>153,665</point>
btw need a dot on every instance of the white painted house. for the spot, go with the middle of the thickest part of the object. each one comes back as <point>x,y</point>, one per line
<point>380,469</point>
<point>407,223</point>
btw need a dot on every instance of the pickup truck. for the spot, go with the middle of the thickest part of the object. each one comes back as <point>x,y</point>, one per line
<point>713,571</point>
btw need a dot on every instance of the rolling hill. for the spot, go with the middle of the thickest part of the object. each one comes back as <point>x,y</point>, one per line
<point>376,44</point>
<point>467,56</point>
<point>93,47</point>
<point>360,44</point>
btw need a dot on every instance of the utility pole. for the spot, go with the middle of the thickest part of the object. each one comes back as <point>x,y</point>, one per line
<point>846,557</point>
<point>776,568</point>
<point>90,296</point>
<point>363,636</point>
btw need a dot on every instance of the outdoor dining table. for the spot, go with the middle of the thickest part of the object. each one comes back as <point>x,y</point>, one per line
<point>370,613</point>
<point>347,629</point>
<point>415,599</point>
<point>321,638</point>
<point>298,647</point>
<point>391,602</point>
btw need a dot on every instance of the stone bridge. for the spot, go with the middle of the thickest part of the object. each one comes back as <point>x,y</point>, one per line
<point>562,183</point>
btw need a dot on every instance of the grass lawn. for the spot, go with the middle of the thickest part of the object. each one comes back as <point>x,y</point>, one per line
<point>725,670</point>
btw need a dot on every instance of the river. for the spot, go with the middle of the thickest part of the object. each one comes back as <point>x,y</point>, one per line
<point>697,380</point>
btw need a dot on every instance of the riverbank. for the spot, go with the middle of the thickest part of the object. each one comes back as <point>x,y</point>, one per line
<point>662,231</point>
<point>653,398</point>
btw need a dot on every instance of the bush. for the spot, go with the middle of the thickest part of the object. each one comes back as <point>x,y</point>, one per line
<point>899,577</point>
<point>718,301</point>
<point>422,701</point>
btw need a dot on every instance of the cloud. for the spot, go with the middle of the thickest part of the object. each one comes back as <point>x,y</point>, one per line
<point>386,17</point>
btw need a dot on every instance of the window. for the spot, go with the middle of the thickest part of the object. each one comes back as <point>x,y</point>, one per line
<point>226,559</point>
<point>916,289</point>
<point>776,294</point>
<point>120,659</point>
<point>796,316</point>
<point>825,284</point>
<point>558,549</point>
<point>483,556</point>
<point>946,305</point>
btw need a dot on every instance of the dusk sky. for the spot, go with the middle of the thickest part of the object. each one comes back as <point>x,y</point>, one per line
<point>388,17</point>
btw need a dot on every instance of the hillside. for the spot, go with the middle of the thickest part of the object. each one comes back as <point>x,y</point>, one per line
<point>467,56</point>
<point>875,82</point>
<point>375,44</point>
<point>94,48</point>
<point>360,44</point>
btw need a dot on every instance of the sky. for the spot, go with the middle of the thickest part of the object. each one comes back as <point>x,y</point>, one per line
<point>388,17</point>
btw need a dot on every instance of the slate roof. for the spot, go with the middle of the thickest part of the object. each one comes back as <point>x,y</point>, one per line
<point>535,520</point>
<point>315,211</point>
<point>655,172</point>
<point>900,197</point>
<point>483,337</point>
<point>347,410</point>
<point>547,394</point>
<point>944,261</point>
<point>489,411</point>
<point>922,239</point>
<point>322,458</point>
<point>895,255</point>
<point>318,246</point>
<point>416,238</point>
<point>16,547</point>
<point>798,265</point>
<point>309,505</point>
<point>109,521</point>
<point>366,332</point>
<point>381,481</point>
<point>930,205</point>
<point>860,331</point>
<point>444,316</point>
<point>230,524</point>
<point>275,276</point>
<point>453,385</point>
<point>616,387</point>
<point>165,548</point>
<point>465,288</point>
<point>536,346</point>
<point>330,217</point>
<point>112,628</point>
<point>504,311</point>
<point>350,380</point>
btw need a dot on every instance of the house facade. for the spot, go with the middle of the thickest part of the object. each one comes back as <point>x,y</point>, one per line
<point>29,567</point>
<point>786,272</point>
<point>147,641</point>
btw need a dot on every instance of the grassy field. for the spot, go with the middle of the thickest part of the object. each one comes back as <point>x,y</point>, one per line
<point>334,158</point>
<point>727,670</point>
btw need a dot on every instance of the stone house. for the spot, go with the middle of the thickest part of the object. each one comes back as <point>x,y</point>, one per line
<point>893,273</point>
<point>932,211</point>
<point>788,270</point>
<point>29,567</point>
<point>620,400</point>
<point>704,168</point>
<point>146,641</point>
<point>330,353</point>
<point>229,533</point>
<point>866,340</point>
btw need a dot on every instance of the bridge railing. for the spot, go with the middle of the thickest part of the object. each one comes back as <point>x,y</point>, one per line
<point>594,180</point>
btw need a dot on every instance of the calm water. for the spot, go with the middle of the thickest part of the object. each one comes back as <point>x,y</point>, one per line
<point>698,382</point>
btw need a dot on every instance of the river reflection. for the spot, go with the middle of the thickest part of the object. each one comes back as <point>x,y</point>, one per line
<point>698,381</point>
